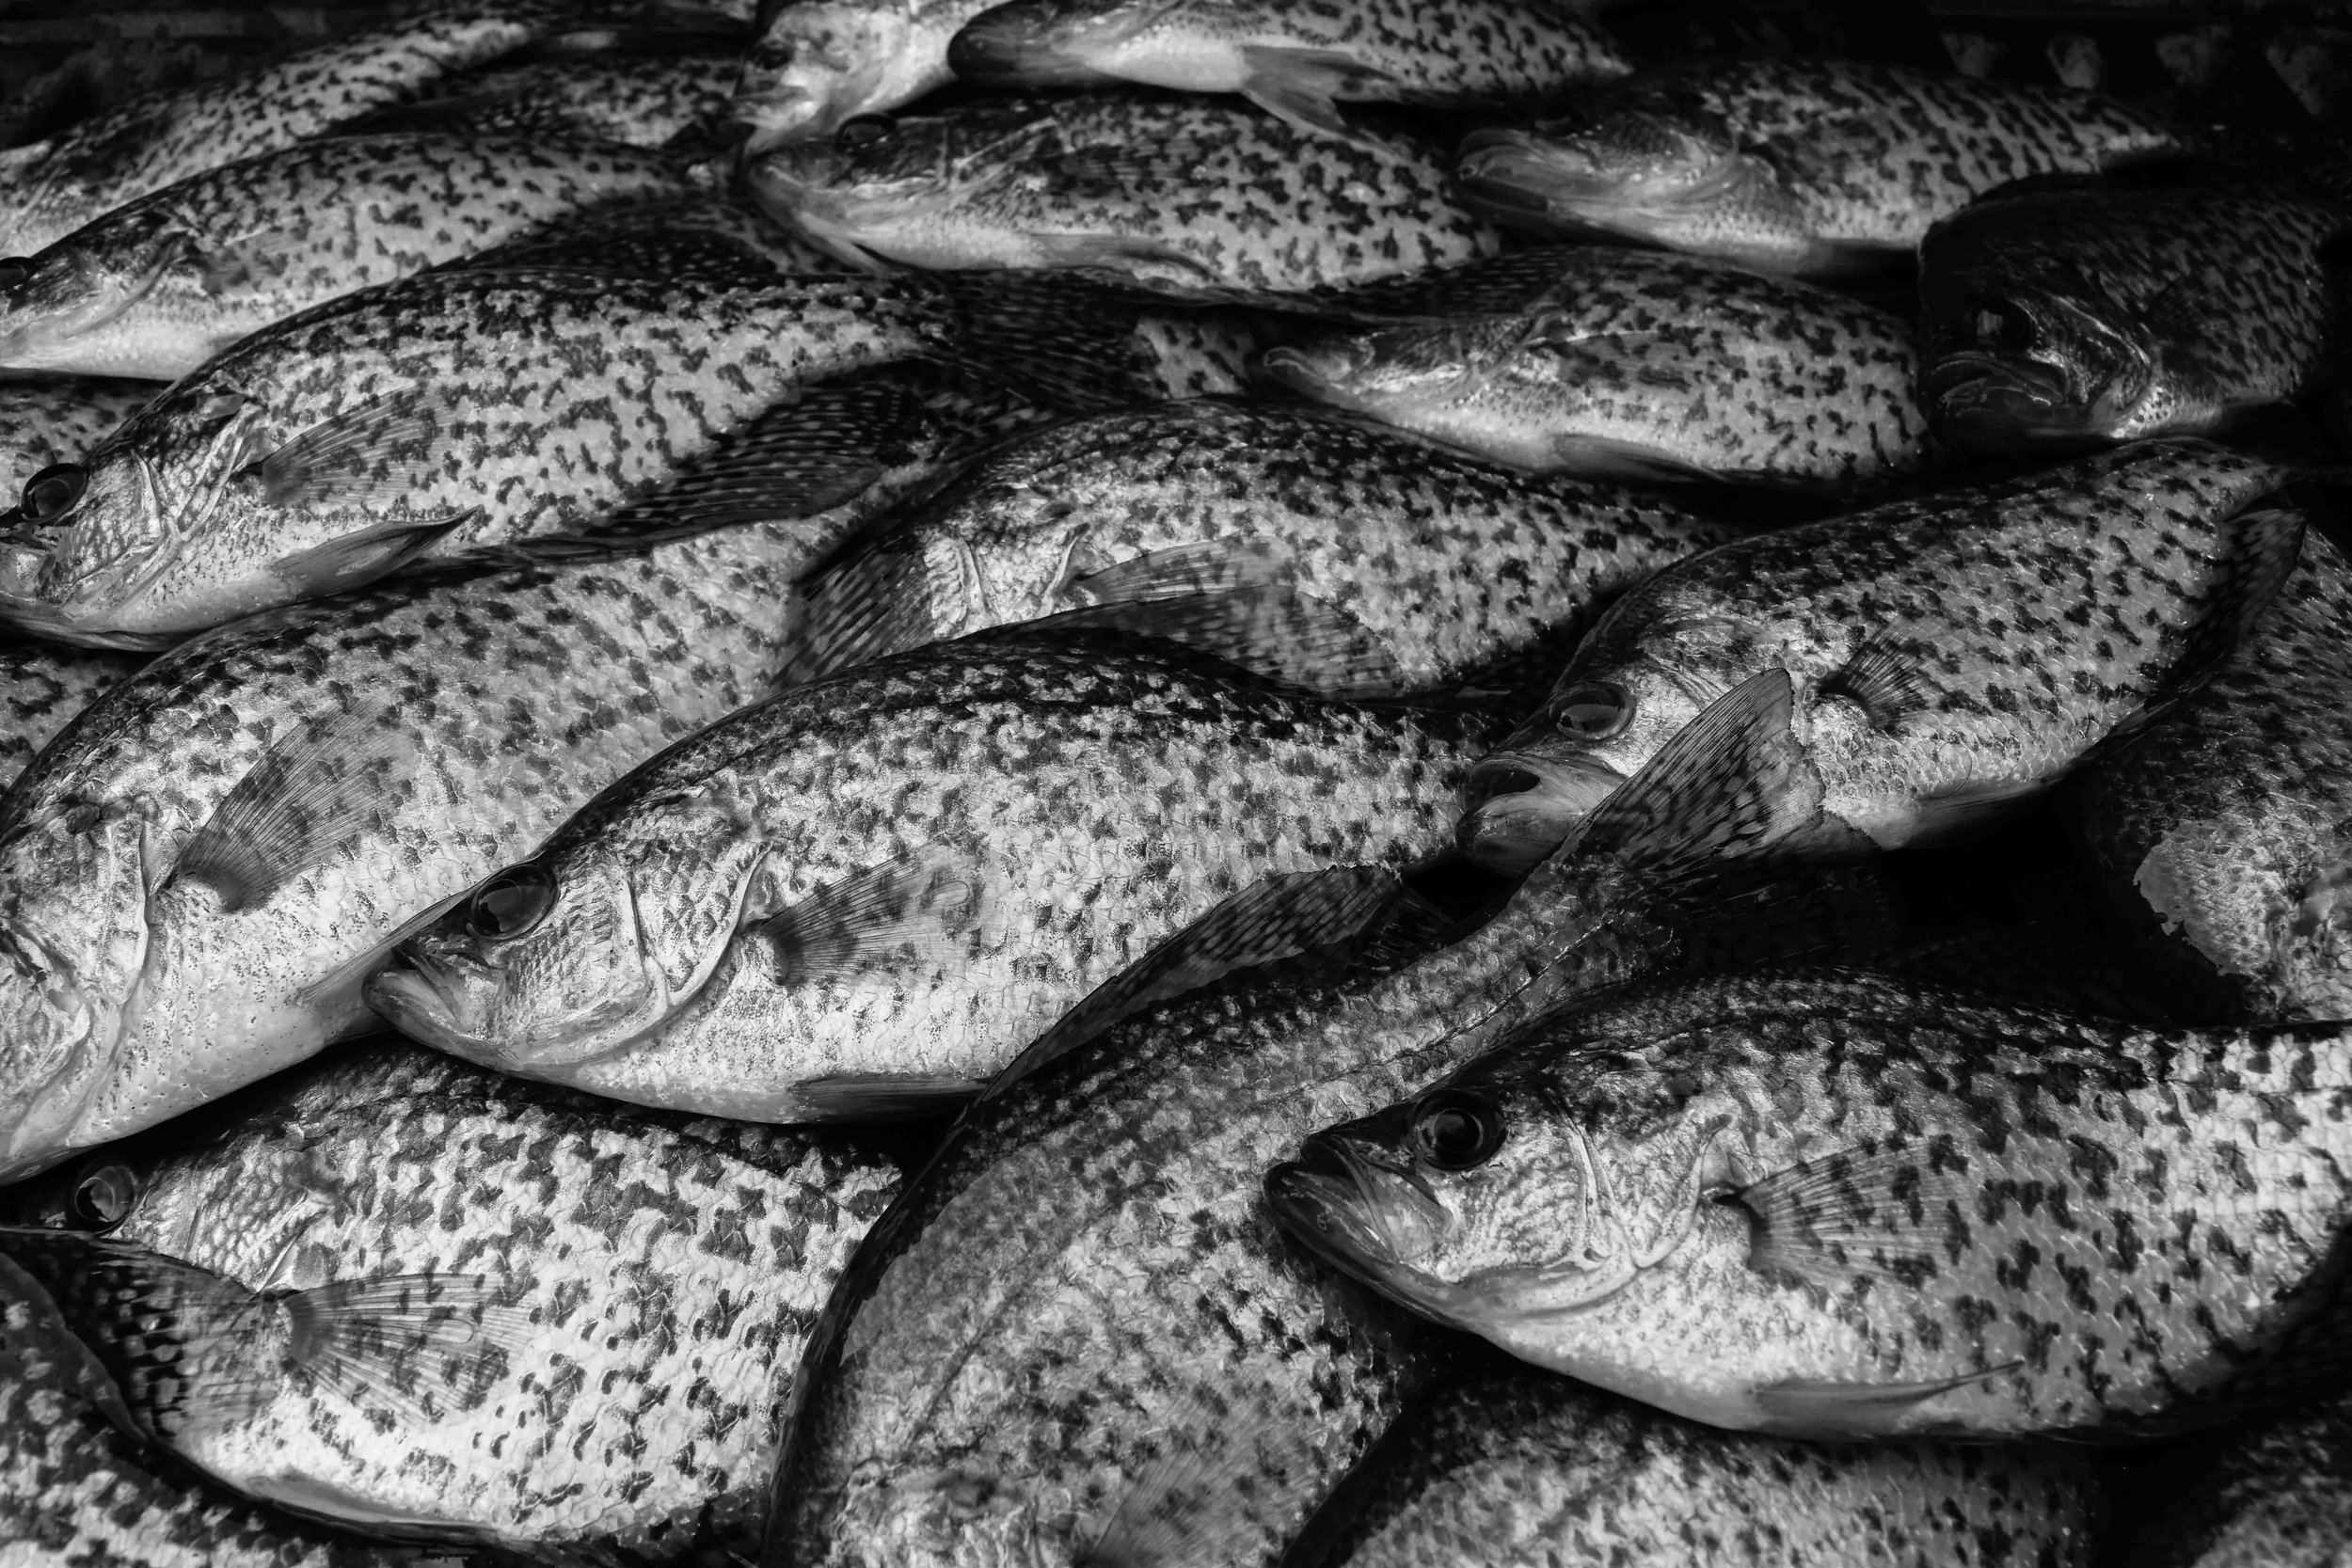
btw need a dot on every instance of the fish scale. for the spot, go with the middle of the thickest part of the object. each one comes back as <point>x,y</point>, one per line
<point>642,99</point>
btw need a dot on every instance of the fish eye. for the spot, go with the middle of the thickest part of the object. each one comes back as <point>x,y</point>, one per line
<point>103,1197</point>
<point>15,270</point>
<point>511,902</point>
<point>1592,710</point>
<point>860,132</point>
<point>2000,324</point>
<point>52,493</point>
<point>1456,1129</point>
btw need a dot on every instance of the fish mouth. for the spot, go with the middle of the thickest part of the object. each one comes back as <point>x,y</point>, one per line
<point>421,996</point>
<point>1359,1213</point>
<point>1987,402</point>
<point>1516,177</point>
<point>1521,807</point>
<point>1004,48</point>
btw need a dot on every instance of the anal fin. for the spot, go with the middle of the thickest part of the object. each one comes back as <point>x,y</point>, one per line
<point>1808,1408</point>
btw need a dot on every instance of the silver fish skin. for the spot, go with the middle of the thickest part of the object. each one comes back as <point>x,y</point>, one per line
<point>2270,1496</point>
<point>1637,364</point>
<point>1841,1205</point>
<point>1179,194</point>
<point>1955,655</point>
<point>1513,1468</point>
<point>869,894</point>
<point>818,64</point>
<point>42,685</point>
<point>1807,168</point>
<point>197,875</point>
<point>638,1288</point>
<point>643,98</point>
<point>48,189</point>
<point>1294,60</point>
<point>57,420</point>
<point>1079,1337</point>
<point>416,418</point>
<point>1303,542</point>
<point>158,286</point>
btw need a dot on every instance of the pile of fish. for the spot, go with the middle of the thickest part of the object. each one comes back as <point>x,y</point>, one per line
<point>1166,783</point>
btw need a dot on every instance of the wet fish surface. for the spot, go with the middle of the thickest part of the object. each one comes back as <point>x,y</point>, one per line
<point>2270,1496</point>
<point>57,420</point>
<point>2074,318</point>
<point>644,100</point>
<point>1182,193</point>
<point>1637,364</point>
<point>42,685</point>
<point>819,63</point>
<point>1841,1205</point>
<point>1955,655</point>
<point>601,1311</point>
<point>1308,545</point>
<point>1810,168</point>
<point>867,894</point>
<point>158,286</point>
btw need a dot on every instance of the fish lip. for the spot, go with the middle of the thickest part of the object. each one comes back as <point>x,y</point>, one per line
<point>1319,1200</point>
<point>1520,806</point>
<point>780,117</point>
<point>406,993</point>
<point>1305,373</point>
<point>1984,402</point>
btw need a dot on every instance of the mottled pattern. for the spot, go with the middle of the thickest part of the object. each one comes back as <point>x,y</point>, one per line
<point>1805,166</point>
<point>2104,316</point>
<point>1837,1204</point>
<point>58,421</point>
<point>2222,833</point>
<point>1640,363</point>
<point>2277,1496</point>
<point>42,685</point>
<point>611,237</point>
<point>1083,798</point>
<point>1410,565</point>
<point>645,100</point>
<point>1178,192</point>
<point>417,736</point>
<point>821,62</point>
<point>1513,1468</point>
<point>159,285</point>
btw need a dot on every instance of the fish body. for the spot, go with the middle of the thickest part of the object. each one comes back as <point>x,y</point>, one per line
<point>660,237</point>
<point>159,285</point>
<point>1351,556</point>
<point>1186,194</point>
<point>640,1287</point>
<point>2072,318</point>
<point>2271,1496</point>
<point>1637,364</point>
<point>818,64</point>
<point>1511,1468</point>
<point>42,685</point>
<point>880,887</point>
<point>643,98</point>
<point>1842,1205</point>
<point>1955,655</point>
<point>57,420</point>
<point>1810,168</point>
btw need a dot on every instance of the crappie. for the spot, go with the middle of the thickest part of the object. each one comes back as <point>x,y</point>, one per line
<point>661,238</point>
<point>2071,318</point>
<point>645,100</point>
<point>1511,1468</point>
<point>1811,167</point>
<point>56,420</point>
<point>1637,363</point>
<point>822,63</point>
<point>644,1282</point>
<point>160,285</point>
<point>869,894</point>
<point>473,406</point>
<point>1078,1338</point>
<point>42,686</point>
<point>1954,656</point>
<point>1293,60</point>
<point>2272,1496</point>
<point>1305,544</point>
<point>1183,194</point>
<point>1841,1205</point>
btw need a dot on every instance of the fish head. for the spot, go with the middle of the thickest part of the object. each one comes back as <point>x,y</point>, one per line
<point>1057,42</point>
<point>818,67</point>
<point>1453,381</point>
<point>99,302</point>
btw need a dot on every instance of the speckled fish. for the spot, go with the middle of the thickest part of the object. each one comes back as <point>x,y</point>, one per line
<point>646,1283</point>
<point>1955,655</point>
<point>50,188</point>
<point>1813,167</point>
<point>83,1494</point>
<point>475,407</point>
<point>160,285</point>
<point>1637,363</point>
<point>55,421</point>
<point>1294,60</point>
<point>643,99</point>
<point>1177,193</point>
<point>822,63</point>
<point>703,232</point>
<point>1078,1338</point>
<point>1302,543</point>
<point>2268,1496</point>
<point>870,893</point>
<point>2071,318</point>
<point>1511,1468</point>
<point>42,685</point>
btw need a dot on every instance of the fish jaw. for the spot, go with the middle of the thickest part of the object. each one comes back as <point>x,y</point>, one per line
<point>868,226</point>
<point>1521,806</point>
<point>1982,403</point>
<point>1421,380</point>
<point>821,64</point>
<point>1048,43</point>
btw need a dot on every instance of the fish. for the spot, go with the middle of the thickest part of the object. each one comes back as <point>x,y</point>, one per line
<point>522,1318</point>
<point>1525,1471</point>
<point>56,420</point>
<point>2272,1496</point>
<point>865,895</point>
<point>643,98</point>
<point>1636,364</point>
<point>472,407</point>
<point>1835,1204</point>
<point>42,686</point>
<point>2064,319</point>
<point>1956,654</point>
<point>1187,195</point>
<point>1813,168</point>
<point>159,285</point>
<point>2218,834</point>
<point>1298,62</point>
<point>819,63</point>
<point>1309,544</point>
<point>1078,1335</point>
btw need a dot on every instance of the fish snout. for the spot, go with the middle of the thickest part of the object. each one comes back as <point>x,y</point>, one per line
<point>1317,370</point>
<point>439,999</point>
<point>1016,46</point>
<point>1354,1204</point>
<point>1520,806</point>
<point>1986,403</point>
